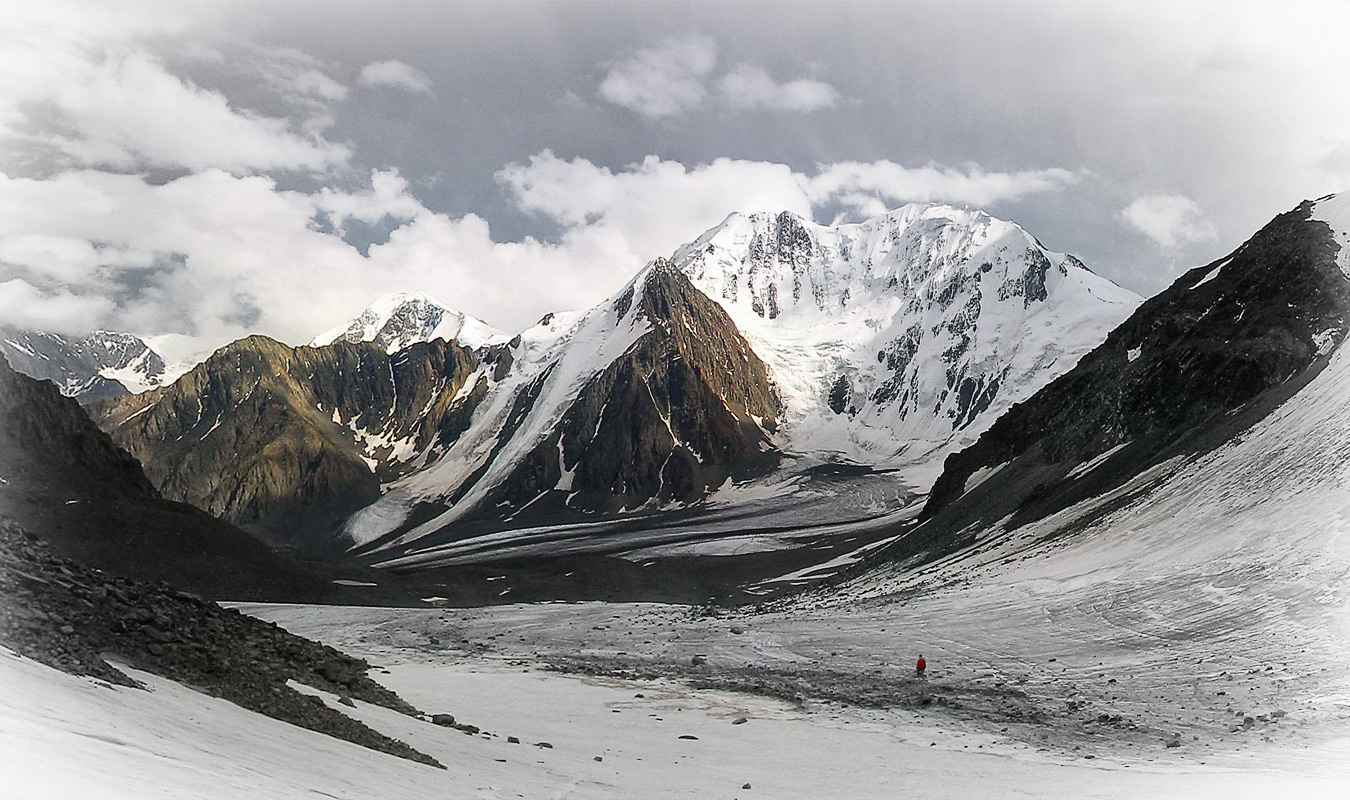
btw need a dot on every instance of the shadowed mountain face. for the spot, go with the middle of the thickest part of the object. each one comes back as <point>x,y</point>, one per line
<point>1190,370</point>
<point>66,481</point>
<point>289,439</point>
<point>670,419</point>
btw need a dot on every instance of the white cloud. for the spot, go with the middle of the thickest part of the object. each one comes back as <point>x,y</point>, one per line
<point>749,87</point>
<point>397,75</point>
<point>872,187</point>
<point>58,311</point>
<point>674,77</point>
<point>79,88</point>
<point>657,204</point>
<point>1168,219</point>
<point>220,255</point>
<point>664,80</point>
<point>130,111</point>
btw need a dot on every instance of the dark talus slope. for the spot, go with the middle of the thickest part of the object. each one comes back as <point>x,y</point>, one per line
<point>63,478</point>
<point>289,439</point>
<point>65,615</point>
<point>1192,368</point>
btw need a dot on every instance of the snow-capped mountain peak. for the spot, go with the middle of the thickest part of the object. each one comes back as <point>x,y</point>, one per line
<point>396,321</point>
<point>905,335</point>
<point>102,364</point>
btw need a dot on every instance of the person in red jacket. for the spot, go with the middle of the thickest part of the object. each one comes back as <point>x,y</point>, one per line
<point>921,666</point>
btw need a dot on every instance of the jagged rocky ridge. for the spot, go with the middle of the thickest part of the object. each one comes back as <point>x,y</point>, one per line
<point>900,339</point>
<point>1194,367</point>
<point>65,480</point>
<point>292,439</point>
<point>101,365</point>
<point>653,397</point>
<point>399,320</point>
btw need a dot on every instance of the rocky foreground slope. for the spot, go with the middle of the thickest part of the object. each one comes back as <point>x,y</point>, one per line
<point>65,480</point>
<point>62,614</point>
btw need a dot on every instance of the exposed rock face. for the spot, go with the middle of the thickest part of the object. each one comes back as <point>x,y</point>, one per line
<point>100,365</point>
<point>63,478</point>
<point>672,418</point>
<point>290,439</point>
<point>1193,367</point>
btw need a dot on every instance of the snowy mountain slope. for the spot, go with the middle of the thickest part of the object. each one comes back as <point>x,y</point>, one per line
<point>102,364</point>
<point>1188,372</point>
<point>900,339</point>
<point>651,397</point>
<point>396,321</point>
<point>1218,581</point>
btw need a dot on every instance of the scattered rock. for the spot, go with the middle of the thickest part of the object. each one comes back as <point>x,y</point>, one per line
<point>543,745</point>
<point>739,721</point>
<point>447,720</point>
<point>512,740</point>
<point>176,635</point>
<point>745,786</point>
<point>687,736</point>
<point>598,758</point>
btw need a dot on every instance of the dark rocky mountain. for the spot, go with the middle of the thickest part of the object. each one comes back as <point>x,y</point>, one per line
<point>101,365</point>
<point>65,480</point>
<point>1194,367</point>
<point>290,440</point>
<point>670,419</point>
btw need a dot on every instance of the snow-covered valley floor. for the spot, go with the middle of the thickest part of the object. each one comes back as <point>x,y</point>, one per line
<point>1004,720</point>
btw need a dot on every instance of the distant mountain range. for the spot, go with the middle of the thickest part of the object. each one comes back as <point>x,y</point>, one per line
<point>765,346</point>
<point>101,365</point>
<point>769,376</point>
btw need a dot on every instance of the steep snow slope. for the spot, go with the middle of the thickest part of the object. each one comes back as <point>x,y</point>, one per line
<point>395,321</point>
<point>900,339</point>
<point>1183,509</point>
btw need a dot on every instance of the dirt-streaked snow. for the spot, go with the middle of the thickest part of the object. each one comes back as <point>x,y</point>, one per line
<point>69,737</point>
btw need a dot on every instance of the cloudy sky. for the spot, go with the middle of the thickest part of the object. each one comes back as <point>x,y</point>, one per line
<point>208,169</point>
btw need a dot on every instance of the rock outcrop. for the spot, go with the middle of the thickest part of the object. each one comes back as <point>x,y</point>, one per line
<point>291,439</point>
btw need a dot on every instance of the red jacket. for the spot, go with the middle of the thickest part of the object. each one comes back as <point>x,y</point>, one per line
<point>921,665</point>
